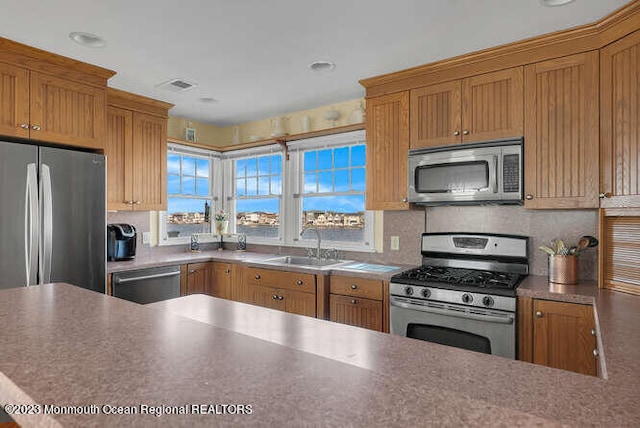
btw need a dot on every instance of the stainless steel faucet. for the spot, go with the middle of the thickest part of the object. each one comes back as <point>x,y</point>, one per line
<point>315,229</point>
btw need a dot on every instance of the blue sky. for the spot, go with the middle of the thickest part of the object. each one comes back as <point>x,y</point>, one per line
<point>325,170</point>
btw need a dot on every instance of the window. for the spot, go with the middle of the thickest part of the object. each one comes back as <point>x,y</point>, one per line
<point>257,195</point>
<point>190,194</point>
<point>331,183</point>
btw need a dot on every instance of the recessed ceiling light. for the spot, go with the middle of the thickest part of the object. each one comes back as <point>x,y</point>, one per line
<point>555,2</point>
<point>208,100</point>
<point>88,39</point>
<point>322,66</point>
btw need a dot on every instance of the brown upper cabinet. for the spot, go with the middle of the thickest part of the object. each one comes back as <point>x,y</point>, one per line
<point>136,150</point>
<point>561,132</point>
<point>620,123</point>
<point>478,108</point>
<point>387,151</point>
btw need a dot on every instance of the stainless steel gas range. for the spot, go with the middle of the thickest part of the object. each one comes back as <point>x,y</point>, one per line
<point>464,294</point>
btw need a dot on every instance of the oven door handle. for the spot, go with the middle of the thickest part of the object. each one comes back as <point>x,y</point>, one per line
<point>507,319</point>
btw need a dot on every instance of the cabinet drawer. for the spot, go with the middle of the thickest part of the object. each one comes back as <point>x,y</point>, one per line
<point>359,287</point>
<point>364,313</point>
<point>273,278</point>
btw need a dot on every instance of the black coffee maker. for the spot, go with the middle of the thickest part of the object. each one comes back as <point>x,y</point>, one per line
<point>121,242</point>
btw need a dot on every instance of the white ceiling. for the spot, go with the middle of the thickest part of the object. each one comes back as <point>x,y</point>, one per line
<point>252,55</point>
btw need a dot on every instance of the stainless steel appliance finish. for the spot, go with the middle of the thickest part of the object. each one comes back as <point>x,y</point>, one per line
<point>147,285</point>
<point>478,173</point>
<point>464,293</point>
<point>53,216</point>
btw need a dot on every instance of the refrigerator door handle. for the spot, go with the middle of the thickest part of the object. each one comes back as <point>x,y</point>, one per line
<point>31,224</point>
<point>47,225</point>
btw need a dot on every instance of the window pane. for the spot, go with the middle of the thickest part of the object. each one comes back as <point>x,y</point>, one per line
<point>203,167</point>
<point>251,167</point>
<point>263,165</point>
<point>188,166</point>
<point>276,164</point>
<point>186,216</point>
<point>263,186</point>
<point>173,184</point>
<point>276,185</point>
<point>357,179</point>
<point>358,155</point>
<point>342,180</point>
<point>338,218</point>
<point>325,181</point>
<point>188,186</point>
<point>341,157</point>
<point>310,160</point>
<point>173,164</point>
<point>240,168</point>
<point>252,186</point>
<point>310,183</point>
<point>324,159</point>
<point>202,186</point>
<point>258,217</point>
<point>241,189</point>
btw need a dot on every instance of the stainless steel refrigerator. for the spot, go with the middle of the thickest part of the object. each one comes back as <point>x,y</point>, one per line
<point>52,217</point>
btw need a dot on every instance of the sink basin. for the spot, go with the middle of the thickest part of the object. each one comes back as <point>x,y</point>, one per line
<point>303,261</point>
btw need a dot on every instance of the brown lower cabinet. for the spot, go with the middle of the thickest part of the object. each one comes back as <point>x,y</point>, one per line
<point>212,278</point>
<point>286,291</point>
<point>356,301</point>
<point>558,334</point>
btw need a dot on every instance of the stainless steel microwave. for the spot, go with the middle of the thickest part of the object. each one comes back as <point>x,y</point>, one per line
<point>479,173</point>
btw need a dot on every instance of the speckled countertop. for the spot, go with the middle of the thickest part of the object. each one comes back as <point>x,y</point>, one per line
<point>64,345</point>
<point>244,258</point>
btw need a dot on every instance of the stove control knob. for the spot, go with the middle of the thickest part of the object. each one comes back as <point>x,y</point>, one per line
<point>408,291</point>
<point>467,298</point>
<point>487,301</point>
<point>426,293</point>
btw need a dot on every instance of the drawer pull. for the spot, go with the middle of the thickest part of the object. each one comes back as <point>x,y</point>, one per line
<point>36,127</point>
<point>299,282</point>
<point>354,301</point>
<point>192,271</point>
<point>24,126</point>
<point>354,287</point>
<point>595,352</point>
<point>593,332</point>
<point>280,297</point>
<point>274,297</point>
<point>257,276</point>
<point>539,314</point>
<point>227,271</point>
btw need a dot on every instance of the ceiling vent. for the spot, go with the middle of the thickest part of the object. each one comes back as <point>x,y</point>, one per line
<point>176,85</point>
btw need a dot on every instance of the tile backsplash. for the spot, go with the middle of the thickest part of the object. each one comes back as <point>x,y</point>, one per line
<point>540,225</point>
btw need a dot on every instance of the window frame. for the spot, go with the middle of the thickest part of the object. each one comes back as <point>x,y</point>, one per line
<point>215,186</point>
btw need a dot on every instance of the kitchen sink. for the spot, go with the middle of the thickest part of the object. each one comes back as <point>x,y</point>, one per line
<point>303,261</point>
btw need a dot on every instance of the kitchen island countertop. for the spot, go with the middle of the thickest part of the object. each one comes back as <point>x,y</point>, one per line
<point>63,345</point>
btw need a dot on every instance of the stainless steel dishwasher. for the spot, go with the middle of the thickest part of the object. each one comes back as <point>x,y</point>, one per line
<point>147,285</point>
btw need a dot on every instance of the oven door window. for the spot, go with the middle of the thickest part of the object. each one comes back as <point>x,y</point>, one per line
<point>449,337</point>
<point>455,177</point>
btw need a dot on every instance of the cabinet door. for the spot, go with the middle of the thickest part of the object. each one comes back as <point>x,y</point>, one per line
<point>267,297</point>
<point>620,121</point>
<point>14,101</point>
<point>301,303</point>
<point>564,336</point>
<point>118,148</point>
<point>220,284</point>
<point>493,105</point>
<point>67,112</point>
<point>387,149</point>
<point>355,311</point>
<point>436,115</point>
<point>561,133</point>
<point>149,162</point>
<point>198,277</point>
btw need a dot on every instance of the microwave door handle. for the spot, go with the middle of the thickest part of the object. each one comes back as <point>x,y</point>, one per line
<point>493,175</point>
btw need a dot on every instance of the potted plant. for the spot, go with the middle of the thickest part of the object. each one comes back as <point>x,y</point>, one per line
<point>221,222</point>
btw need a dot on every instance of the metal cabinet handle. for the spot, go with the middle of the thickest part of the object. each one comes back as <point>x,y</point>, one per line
<point>595,352</point>
<point>528,197</point>
<point>354,301</point>
<point>192,271</point>
<point>465,132</point>
<point>36,127</point>
<point>257,276</point>
<point>227,271</point>
<point>405,200</point>
<point>593,332</point>
<point>299,282</point>
<point>456,133</point>
<point>280,297</point>
<point>604,195</point>
<point>24,125</point>
<point>539,314</point>
<point>137,202</point>
<point>128,202</point>
<point>274,297</point>
<point>353,286</point>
